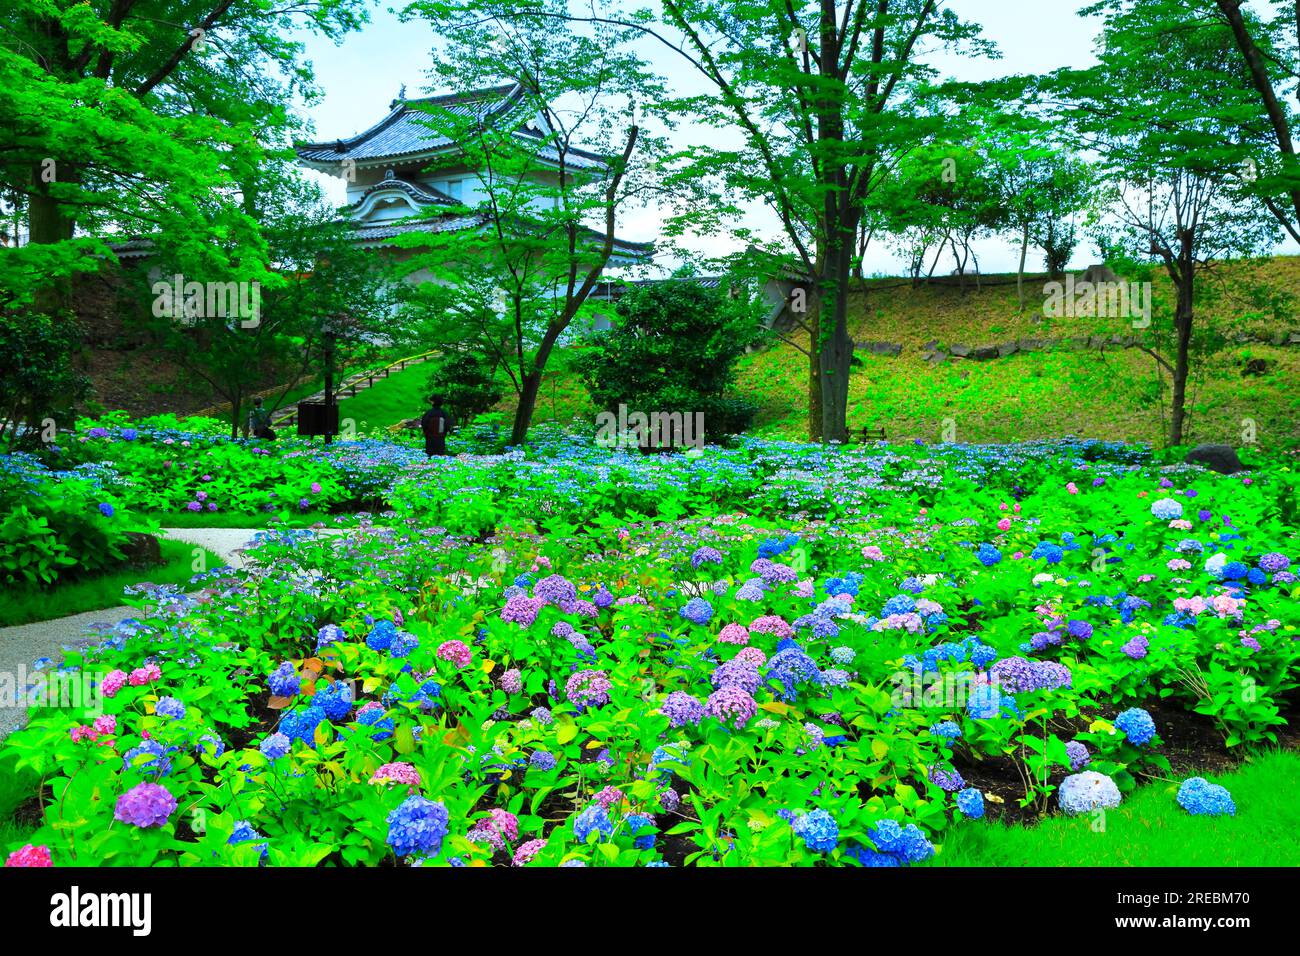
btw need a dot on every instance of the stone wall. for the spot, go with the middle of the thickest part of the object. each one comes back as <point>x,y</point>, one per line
<point>932,352</point>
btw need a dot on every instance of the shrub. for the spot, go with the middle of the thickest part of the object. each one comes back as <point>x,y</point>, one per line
<point>673,348</point>
<point>467,384</point>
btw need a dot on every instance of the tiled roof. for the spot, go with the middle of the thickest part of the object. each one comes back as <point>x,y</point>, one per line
<point>405,133</point>
<point>422,193</point>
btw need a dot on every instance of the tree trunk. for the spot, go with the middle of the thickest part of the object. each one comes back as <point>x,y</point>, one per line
<point>530,387</point>
<point>814,367</point>
<point>48,224</point>
<point>1020,272</point>
<point>1183,328</point>
<point>836,349</point>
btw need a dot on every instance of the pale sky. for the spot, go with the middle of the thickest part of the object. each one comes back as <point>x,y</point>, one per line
<point>363,75</point>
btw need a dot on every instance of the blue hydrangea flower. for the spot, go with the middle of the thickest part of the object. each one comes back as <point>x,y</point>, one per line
<point>335,699</point>
<point>594,819</point>
<point>157,763</point>
<point>971,803</point>
<point>301,723</point>
<point>1199,797</point>
<point>988,555</point>
<point>541,760</point>
<point>899,604</point>
<point>381,636</point>
<point>946,729</point>
<point>1166,509</point>
<point>908,843</point>
<point>1136,724</point>
<point>1049,552</point>
<point>638,824</point>
<point>1087,791</point>
<point>169,707</point>
<point>417,826</point>
<point>244,833</point>
<point>819,831</point>
<point>275,746</point>
<point>697,611</point>
<point>329,634</point>
<point>284,681</point>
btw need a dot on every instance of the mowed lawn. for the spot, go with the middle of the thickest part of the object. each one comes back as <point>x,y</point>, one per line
<point>23,605</point>
<point>1149,828</point>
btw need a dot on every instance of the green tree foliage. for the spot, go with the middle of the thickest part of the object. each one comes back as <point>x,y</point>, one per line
<point>37,376</point>
<point>322,283</point>
<point>673,348</point>
<point>143,117</point>
<point>467,384</point>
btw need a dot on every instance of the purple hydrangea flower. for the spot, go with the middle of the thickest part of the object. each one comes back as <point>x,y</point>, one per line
<point>732,706</point>
<point>145,805</point>
<point>681,709</point>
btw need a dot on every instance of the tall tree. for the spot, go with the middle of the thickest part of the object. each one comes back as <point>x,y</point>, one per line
<point>819,94</point>
<point>324,292</point>
<point>1174,166</point>
<point>555,177</point>
<point>142,117</point>
<point>1270,50</point>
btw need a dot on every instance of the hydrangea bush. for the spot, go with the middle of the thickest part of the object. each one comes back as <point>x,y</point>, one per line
<point>559,656</point>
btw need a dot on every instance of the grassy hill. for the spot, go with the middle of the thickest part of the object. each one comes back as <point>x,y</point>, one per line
<point>1112,394</point>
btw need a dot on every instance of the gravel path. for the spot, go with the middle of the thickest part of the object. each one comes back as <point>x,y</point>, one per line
<point>23,645</point>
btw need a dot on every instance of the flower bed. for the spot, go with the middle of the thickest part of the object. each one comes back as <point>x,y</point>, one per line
<point>563,657</point>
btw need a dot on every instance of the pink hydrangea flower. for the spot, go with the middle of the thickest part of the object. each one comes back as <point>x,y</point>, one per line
<point>113,682</point>
<point>457,652</point>
<point>528,852</point>
<point>873,553</point>
<point>30,857</point>
<point>734,634</point>
<point>500,827</point>
<point>772,624</point>
<point>396,772</point>
<point>148,674</point>
<point>512,681</point>
<point>1072,488</point>
<point>752,656</point>
<point>610,797</point>
<point>1004,524</point>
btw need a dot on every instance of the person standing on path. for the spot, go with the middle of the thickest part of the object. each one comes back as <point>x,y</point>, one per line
<point>435,424</point>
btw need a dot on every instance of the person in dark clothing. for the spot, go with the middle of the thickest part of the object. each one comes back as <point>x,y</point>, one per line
<point>259,422</point>
<point>435,424</point>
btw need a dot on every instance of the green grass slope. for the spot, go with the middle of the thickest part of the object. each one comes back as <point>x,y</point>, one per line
<point>1115,394</point>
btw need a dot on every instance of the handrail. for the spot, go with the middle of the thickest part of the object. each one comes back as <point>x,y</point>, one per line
<point>290,414</point>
